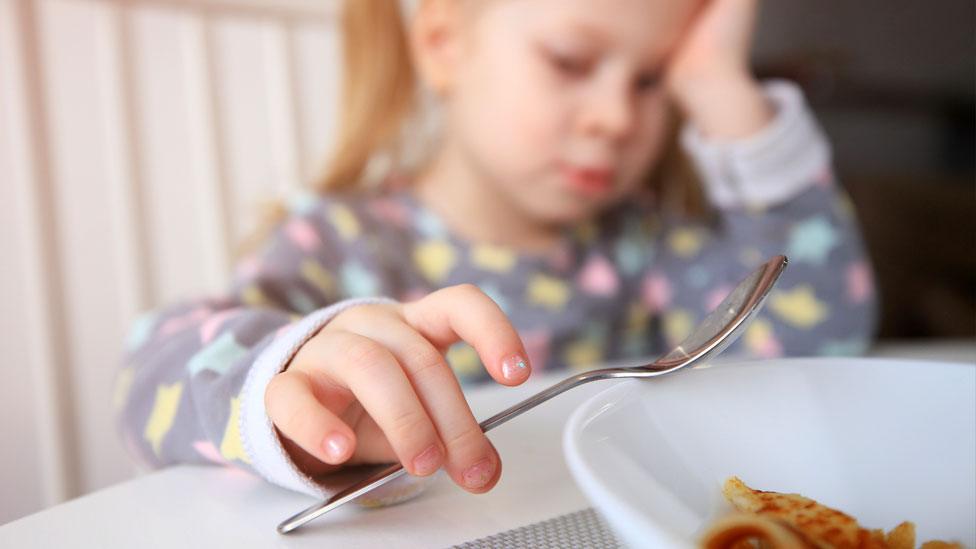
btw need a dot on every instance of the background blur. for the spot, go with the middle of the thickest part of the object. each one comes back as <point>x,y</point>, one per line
<point>137,137</point>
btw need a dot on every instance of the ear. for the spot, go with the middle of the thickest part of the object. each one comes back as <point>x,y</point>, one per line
<point>435,40</point>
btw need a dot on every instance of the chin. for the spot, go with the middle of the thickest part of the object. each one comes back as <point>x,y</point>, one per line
<point>566,212</point>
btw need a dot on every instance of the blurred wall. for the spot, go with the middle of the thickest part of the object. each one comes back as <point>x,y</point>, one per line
<point>136,140</point>
<point>892,81</point>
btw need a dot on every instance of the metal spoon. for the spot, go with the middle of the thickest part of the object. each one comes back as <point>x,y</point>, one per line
<point>719,329</point>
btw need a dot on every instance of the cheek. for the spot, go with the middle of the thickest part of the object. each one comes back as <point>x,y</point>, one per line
<point>510,119</point>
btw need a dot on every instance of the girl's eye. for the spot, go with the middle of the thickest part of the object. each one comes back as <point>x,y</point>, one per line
<point>569,65</point>
<point>647,81</point>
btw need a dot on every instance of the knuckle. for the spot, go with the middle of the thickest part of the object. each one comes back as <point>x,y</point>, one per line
<point>465,439</point>
<point>423,317</point>
<point>499,326</point>
<point>468,291</point>
<point>296,420</point>
<point>362,313</point>
<point>407,425</point>
<point>365,352</point>
<point>273,393</point>
<point>296,425</point>
<point>424,361</point>
<point>308,354</point>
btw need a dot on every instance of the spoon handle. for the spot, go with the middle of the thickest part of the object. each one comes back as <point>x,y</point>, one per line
<point>536,399</point>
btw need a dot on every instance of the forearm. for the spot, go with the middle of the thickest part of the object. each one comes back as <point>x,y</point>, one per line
<point>191,389</point>
<point>774,193</point>
<point>179,385</point>
<point>774,164</point>
<point>725,107</point>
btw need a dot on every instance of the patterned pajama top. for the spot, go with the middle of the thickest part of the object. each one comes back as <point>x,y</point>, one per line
<point>621,288</point>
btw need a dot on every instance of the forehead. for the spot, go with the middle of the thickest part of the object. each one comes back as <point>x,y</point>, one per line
<point>648,27</point>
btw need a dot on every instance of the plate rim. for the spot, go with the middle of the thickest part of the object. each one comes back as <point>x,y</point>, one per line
<point>590,409</point>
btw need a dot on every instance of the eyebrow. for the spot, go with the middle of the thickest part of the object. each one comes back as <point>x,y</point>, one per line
<point>591,32</point>
<point>603,40</point>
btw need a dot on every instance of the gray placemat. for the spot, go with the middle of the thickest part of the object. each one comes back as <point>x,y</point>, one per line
<point>580,529</point>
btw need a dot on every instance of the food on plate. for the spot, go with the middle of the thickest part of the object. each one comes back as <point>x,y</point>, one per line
<point>771,520</point>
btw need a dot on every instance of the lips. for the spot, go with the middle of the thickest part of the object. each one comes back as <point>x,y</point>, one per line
<point>587,179</point>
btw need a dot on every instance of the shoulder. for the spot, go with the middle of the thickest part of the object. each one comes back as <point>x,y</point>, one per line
<point>344,218</point>
<point>352,243</point>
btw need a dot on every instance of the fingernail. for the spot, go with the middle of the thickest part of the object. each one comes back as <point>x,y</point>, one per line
<point>336,446</point>
<point>479,474</point>
<point>427,461</point>
<point>515,367</point>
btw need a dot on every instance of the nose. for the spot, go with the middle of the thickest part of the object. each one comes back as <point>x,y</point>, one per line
<point>608,111</point>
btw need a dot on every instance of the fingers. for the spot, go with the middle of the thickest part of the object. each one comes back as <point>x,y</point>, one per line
<point>293,408</point>
<point>374,375</point>
<point>465,313</point>
<point>471,459</point>
<point>393,367</point>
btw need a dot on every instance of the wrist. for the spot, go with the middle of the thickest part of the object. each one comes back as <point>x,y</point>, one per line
<point>771,167</point>
<point>724,104</point>
<point>268,455</point>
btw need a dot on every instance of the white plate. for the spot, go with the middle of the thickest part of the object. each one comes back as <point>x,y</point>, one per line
<point>882,440</point>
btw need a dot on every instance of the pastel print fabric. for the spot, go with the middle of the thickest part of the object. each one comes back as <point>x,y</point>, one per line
<point>624,287</point>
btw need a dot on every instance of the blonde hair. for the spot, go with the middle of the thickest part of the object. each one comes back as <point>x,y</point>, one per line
<point>379,90</point>
<point>380,95</point>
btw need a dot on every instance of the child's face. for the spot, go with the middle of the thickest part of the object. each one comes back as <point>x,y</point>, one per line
<point>560,104</point>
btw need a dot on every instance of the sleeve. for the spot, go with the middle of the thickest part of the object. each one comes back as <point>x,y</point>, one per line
<point>774,193</point>
<point>191,386</point>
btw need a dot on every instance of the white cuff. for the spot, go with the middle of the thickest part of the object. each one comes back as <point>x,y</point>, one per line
<point>260,441</point>
<point>774,165</point>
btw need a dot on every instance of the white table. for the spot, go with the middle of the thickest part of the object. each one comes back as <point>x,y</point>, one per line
<point>192,506</point>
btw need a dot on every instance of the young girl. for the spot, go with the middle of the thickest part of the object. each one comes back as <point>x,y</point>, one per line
<point>538,225</point>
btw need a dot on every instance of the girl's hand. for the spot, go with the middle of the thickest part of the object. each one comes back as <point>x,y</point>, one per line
<point>373,386</point>
<point>709,75</point>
